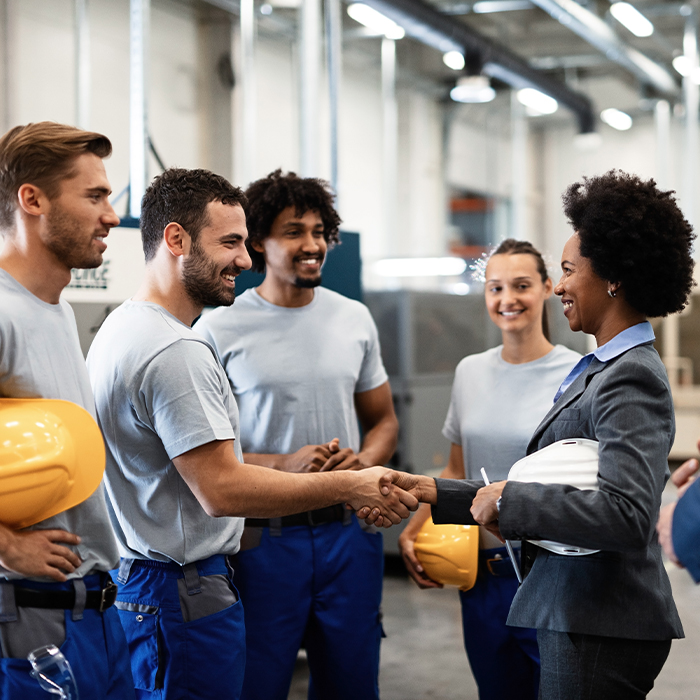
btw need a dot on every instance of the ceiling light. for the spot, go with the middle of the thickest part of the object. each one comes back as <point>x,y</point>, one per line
<point>486,6</point>
<point>616,119</point>
<point>537,102</point>
<point>376,21</point>
<point>420,267</point>
<point>630,17</point>
<point>453,59</point>
<point>682,65</point>
<point>473,89</point>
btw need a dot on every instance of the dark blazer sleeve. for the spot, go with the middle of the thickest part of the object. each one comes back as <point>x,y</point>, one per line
<point>627,408</point>
<point>686,530</point>
<point>454,499</point>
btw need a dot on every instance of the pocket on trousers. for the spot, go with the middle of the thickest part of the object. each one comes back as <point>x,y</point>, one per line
<point>140,623</point>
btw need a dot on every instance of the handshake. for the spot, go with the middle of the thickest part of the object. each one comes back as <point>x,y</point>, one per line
<point>385,497</point>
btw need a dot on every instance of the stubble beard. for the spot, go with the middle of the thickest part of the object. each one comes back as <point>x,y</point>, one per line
<point>66,241</point>
<point>307,283</point>
<point>202,280</point>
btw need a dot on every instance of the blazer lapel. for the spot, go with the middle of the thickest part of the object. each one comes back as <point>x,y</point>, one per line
<point>571,395</point>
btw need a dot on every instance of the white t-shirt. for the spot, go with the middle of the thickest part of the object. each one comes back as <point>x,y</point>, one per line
<point>40,357</point>
<point>160,391</point>
<point>496,406</point>
<point>294,371</point>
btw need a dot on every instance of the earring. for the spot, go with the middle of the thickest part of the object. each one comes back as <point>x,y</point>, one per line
<point>611,293</point>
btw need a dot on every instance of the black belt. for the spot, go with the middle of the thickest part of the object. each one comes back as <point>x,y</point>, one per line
<point>35,598</point>
<point>331,514</point>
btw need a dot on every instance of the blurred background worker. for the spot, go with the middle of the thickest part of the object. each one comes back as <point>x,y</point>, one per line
<point>304,365</point>
<point>498,399</point>
<point>54,216</point>
<point>679,522</point>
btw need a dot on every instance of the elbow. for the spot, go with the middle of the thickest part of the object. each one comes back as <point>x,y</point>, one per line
<point>637,533</point>
<point>217,507</point>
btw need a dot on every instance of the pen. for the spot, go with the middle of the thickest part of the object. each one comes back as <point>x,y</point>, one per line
<point>509,546</point>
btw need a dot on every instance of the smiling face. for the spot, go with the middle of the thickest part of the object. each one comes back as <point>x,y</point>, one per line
<point>217,256</point>
<point>295,249</point>
<point>583,293</point>
<point>515,293</point>
<point>81,216</point>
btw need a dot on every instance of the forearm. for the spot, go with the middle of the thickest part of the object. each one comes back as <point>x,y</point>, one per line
<point>271,461</point>
<point>379,443</point>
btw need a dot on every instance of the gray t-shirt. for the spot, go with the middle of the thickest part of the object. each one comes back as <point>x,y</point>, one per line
<point>496,406</point>
<point>160,391</point>
<point>294,371</point>
<point>40,357</point>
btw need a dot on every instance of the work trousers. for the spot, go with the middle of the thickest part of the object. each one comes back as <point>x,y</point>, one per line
<point>504,660</point>
<point>93,643</point>
<point>185,629</point>
<point>317,585</point>
<point>590,667</point>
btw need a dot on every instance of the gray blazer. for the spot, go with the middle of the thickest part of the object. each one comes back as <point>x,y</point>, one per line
<point>622,591</point>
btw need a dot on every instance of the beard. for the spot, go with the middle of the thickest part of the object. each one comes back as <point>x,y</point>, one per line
<point>202,279</point>
<point>307,283</point>
<point>68,243</point>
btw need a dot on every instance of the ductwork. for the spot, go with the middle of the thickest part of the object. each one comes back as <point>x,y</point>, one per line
<point>444,33</point>
<point>596,32</point>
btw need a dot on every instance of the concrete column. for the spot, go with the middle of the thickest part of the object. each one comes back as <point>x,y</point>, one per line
<point>82,65</point>
<point>390,145</point>
<point>309,105</point>
<point>519,170</point>
<point>215,85</point>
<point>138,128</point>
<point>248,93</point>
<point>334,53</point>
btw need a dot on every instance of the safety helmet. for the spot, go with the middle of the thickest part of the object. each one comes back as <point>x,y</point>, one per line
<point>573,462</point>
<point>52,457</point>
<point>449,553</point>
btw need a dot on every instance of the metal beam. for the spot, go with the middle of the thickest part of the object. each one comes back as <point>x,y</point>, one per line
<point>596,32</point>
<point>429,26</point>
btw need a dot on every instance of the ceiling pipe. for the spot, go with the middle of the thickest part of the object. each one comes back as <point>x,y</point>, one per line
<point>596,32</point>
<point>429,26</point>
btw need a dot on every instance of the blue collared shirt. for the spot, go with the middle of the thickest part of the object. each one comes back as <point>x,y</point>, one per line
<point>629,338</point>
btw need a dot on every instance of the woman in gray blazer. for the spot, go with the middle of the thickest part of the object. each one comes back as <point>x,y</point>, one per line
<point>605,621</point>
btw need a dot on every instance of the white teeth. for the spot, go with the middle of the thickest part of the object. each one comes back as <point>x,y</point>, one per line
<point>309,261</point>
<point>510,313</point>
<point>230,278</point>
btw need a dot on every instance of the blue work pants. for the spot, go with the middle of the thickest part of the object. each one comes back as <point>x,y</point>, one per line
<point>320,585</point>
<point>186,639</point>
<point>504,660</point>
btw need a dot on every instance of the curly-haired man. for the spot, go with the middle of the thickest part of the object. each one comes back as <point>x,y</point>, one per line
<point>304,364</point>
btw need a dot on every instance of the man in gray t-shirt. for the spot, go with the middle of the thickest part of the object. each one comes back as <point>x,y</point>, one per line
<point>305,366</point>
<point>175,476</point>
<point>54,585</point>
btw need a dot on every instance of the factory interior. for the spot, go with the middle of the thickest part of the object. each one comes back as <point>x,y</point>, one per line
<point>444,127</point>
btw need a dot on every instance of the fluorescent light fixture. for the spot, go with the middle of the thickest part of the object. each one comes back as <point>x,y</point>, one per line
<point>537,102</point>
<point>266,9</point>
<point>420,267</point>
<point>630,17</point>
<point>473,89</point>
<point>616,119</point>
<point>460,288</point>
<point>682,65</point>
<point>486,6</point>
<point>376,21</point>
<point>453,59</point>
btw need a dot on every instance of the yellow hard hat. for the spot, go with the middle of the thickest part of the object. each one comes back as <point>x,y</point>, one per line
<point>449,553</point>
<point>52,457</point>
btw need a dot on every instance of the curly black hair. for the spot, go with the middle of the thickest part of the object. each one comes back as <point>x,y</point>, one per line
<point>635,234</point>
<point>181,196</point>
<point>270,195</point>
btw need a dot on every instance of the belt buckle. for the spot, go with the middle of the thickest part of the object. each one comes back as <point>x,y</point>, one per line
<point>108,596</point>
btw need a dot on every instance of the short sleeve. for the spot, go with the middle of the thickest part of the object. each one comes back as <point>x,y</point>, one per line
<point>184,397</point>
<point>451,428</point>
<point>372,372</point>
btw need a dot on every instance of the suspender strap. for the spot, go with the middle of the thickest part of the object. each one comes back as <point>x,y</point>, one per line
<point>192,581</point>
<point>8,608</point>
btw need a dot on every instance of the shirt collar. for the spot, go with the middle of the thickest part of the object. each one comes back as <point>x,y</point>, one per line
<point>626,340</point>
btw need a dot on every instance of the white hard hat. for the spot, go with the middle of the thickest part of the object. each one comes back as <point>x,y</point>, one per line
<point>573,462</point>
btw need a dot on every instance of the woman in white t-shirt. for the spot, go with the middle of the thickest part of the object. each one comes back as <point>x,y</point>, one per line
<point>498,399</point>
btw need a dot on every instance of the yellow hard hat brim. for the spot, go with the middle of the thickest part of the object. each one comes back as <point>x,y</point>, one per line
<point>34,490</point>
